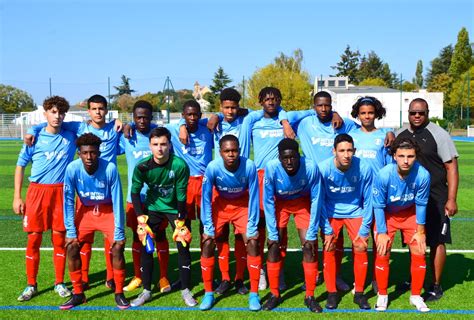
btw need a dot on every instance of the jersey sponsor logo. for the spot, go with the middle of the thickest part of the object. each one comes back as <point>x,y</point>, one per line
<point>55,154</point>
<point>289,192</point>
<point>194,151</point>
<point>323,142</point>
<point>165,191</point>
<point>230,190</point>
<point>92,195</point>
<point>271,133</point>
<point>347,189</point>
<point>367,154</point>
<point>141,154</point>
<point>403,197</point>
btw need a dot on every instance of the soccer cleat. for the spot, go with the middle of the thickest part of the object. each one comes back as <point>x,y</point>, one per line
<point>62,290</point>
<point>28,293</point>
<point>240,287</point>
<point>271,303</point>
<point>121,301</point>
<point>254,302</point>
<point>312,304</point>
<point>281,281</point>
<point>110,284</point>
<point>361,301</point>
<point>133,284</point>
<point>434,293</point>
<point>164,285</point>
<point>382,302</point>
<point>223,287</point>
<point>207,301</point>
<point>332,301</point>
<point>375,287</point>
<point>74,301</point>
<point>341,285</point>
<point>262,282</point>
<point>188,298</point>
<point>142,298</point>
<point>419,304</point>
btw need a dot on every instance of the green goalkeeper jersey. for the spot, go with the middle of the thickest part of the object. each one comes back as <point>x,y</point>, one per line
<point>167,184</point>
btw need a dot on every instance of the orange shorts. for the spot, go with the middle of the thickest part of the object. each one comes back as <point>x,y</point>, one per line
<point>261,173</point>
<point>95,218</point>
<point>352,225</point>
<point>299,207</point>
<point>44,208</point>
<point>193,197</point>
<point>233,211</point>
<point>404,220</point>
<point>132,222</point>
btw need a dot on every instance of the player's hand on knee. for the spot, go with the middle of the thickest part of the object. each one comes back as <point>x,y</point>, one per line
<point>71,242</point>
<point>360,243</point>
<point>382,243</point>
<point>420,239</point>
<point>329,242</point>
<point>19,206</point>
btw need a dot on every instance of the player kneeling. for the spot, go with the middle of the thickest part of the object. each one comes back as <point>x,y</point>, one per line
<point>236,201</point>
<point>400,196</point>
<point>98,186</point>
<point>292,185</point>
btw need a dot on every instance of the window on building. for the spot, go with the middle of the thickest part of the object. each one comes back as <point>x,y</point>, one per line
<point>341,83</point>
<point>331,83</point>
<point>320,83</point>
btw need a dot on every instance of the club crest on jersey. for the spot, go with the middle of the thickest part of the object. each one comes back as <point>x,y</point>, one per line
<point>243,179</point>
<point>65,141</point>
<point>354,178</point>
<point>265,181</point>
<point>375,192</point>
<point>171,174</point>
<point>413,185</point>
<point>378,142</point>
<point>101,184</point>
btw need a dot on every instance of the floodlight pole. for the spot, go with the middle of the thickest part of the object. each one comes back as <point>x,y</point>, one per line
<point>243,91</point>
<point>166,88</point>
<point>401,99</point>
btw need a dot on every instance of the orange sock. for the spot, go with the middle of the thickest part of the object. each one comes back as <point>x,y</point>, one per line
<point>330,271</point>
<point>33,257</point>
<point>360,270</point>
<point>136,256</point>
<point>382,270</point>
<point>76,279</point>
<point>240,254</point>
<point>108,259</point>
<point>254,264</point>
<point>418,272</point>
<point>119,279</point>
<point>59,255</point>
<point>86,253</point>
<point>273,273</point>
<point>310,273</point>
<point>207,269</point>
<point>223,253</point>
<point>163,253</point>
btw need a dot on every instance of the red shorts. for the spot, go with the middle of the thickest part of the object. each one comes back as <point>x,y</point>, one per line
<point>261,173</point>
<point>132,222</point>
<point>193,197</point>
<point>299,207</point>
<point>233,211</point>
<point>95,218</point>
<point>352,225</point>
<point>405,221</point>
<point>44,208</point>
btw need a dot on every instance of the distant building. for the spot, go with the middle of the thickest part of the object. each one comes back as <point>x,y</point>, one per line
<point>198,94</point>
<point>344,95</point>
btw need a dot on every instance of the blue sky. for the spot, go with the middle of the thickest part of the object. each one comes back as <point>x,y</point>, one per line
<point>78,44</point>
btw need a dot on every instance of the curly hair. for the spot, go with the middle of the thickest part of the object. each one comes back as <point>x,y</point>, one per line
<point>56,101</point>
<point>272,91</point>
<point>230,94</point>
<point>88,139</point>
<point>380,111</point>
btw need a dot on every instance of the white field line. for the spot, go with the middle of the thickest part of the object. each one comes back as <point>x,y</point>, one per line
<point>232,249</point>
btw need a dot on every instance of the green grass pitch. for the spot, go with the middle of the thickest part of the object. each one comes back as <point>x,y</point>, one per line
<point>457,283</point>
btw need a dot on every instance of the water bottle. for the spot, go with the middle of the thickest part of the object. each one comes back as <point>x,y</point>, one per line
<point>444,228</point>
<point>149,245</point>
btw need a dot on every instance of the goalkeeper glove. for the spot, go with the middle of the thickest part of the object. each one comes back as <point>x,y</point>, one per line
<point>143,229</point>
<point>182,233</point>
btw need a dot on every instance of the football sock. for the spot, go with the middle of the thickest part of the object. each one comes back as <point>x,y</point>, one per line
<point>273,273</point>
<point>86,253</point>
<point>33,256</point>
<point>382,270</point>
<point>254,264</point>
<point>360,270</point>
<point>418,272</point>
<point>330,271</point>
<point>59,255</point>
<point>119,279</point>
<point>207,270</point>
<point>310,274</point>
<point>223,252</point>
<point>108,259</point>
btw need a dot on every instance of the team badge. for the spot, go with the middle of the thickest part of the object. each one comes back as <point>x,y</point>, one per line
<point>171,174</point>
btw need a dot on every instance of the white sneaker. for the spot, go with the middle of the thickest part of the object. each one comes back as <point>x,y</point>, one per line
<point>143,297</point>
<point>419,303</point>
<point>62,290</point>
<point>262,282</point>
<point>382,302</point>
<point>188,298</point>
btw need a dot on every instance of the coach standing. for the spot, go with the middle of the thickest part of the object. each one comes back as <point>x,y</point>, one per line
<point>439,156</point>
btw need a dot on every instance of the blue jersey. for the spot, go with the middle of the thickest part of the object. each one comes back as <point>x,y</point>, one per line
<point>347,194</point>
<point>317,138</point>
<point>110,138</point>
<point>225,128</point>
<point>136,148</point>
<point>392,194</point>
<point>230,185</point>
<point>198,152</point>
<point>370,148</point>
<point>103,187</point>
<point>278,185</point>
<point>50,156</point>
<point>265,134</point>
